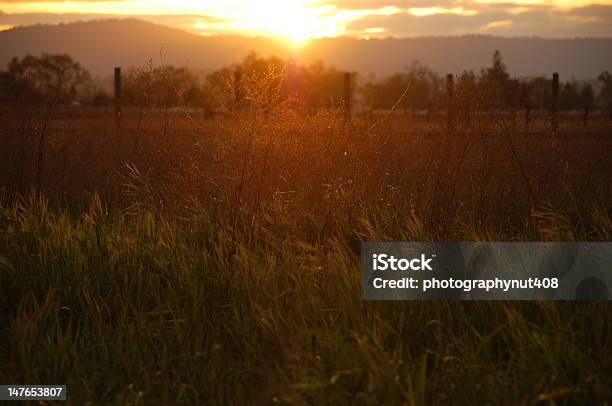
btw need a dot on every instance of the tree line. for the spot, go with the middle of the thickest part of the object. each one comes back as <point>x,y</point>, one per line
<point>60,80</point>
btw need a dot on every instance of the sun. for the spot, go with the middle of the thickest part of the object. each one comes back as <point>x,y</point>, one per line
<point>292,20</point>
<point>295,21</point>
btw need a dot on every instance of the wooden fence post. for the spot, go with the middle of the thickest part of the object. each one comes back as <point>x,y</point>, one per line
<point>118,94</point>
<point>449,101</point>
<point>118,90</point>
<point>348,93</point>
<point>555,102</point>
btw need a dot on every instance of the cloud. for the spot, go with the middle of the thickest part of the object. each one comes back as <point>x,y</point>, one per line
<point>502,19</point>
<point>496,24</point>
<point>429,11</point>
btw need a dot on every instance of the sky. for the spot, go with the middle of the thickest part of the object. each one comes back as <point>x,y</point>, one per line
<point>297,21</point>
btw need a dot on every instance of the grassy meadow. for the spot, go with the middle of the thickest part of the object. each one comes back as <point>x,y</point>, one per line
<point>171,259</point>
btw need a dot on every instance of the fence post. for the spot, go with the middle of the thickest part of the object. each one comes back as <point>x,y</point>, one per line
<point>118,90</point>
<point>117,94</point>
<point>555,102</point>
<point>449,101</point>
<point>348,93</point>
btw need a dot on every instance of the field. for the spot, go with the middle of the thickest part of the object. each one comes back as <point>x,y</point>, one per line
<point>168,258</point>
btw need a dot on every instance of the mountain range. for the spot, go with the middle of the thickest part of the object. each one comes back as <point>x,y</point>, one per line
<point>100,45</point>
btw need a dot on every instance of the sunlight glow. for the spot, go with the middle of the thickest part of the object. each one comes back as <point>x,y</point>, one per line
<point>290,19</point>
<point>295,21</point>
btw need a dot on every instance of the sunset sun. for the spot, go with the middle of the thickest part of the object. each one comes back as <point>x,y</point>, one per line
<point>290,19</point>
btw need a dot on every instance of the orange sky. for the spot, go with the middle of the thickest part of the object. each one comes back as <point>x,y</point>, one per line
<point>300,20</point>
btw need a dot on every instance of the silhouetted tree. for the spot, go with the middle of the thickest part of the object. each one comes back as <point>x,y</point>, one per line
<point>497,72</point>
<point>499,89</point>
<point>52,79</point>
<point>166,86</point>
<point>320,86</point>
<point>306,87</point>
<point>421,84</point>
<point>468,98</point>
<point>587,97</point>
<point>570,97</point>
<point>542,93</point>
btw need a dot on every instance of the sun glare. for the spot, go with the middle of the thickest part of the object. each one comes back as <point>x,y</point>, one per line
<point>294,20</point>
<point>290,19</point>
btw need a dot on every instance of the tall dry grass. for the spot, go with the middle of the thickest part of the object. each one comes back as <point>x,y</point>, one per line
<point>177,259</point>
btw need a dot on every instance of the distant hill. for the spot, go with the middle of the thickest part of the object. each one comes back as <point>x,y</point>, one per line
<point>101,45</point>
